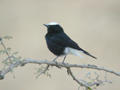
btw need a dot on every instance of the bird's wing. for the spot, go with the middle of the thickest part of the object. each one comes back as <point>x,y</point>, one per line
<point>64,40</point>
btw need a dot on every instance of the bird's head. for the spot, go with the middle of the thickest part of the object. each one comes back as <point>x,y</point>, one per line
<point>53,27</point>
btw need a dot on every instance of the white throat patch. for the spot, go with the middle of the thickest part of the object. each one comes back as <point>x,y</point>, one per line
<point>53,23</point>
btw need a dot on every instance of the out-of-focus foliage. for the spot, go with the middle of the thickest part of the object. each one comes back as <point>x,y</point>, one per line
<point>9,55</point>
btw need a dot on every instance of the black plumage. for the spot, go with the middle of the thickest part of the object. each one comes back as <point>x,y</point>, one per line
<point>57,41</point>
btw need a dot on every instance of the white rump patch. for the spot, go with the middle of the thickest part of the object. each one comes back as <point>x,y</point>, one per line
<point>53,23</point>
<point>75,52</point>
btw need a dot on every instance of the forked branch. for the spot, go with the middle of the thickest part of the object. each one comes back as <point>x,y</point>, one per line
<point>59,64</point>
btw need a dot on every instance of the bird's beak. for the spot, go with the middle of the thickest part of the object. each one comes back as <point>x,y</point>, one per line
<point>45,25</point>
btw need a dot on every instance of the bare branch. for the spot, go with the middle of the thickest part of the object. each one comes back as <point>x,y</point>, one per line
<point>62,65</point>
<point>81,83</point>
<point>66,65</point>
<point>52,63</point>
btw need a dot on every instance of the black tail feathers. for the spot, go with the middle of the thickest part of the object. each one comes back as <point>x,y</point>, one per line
<point>90,55</point>
<point>85,52</point>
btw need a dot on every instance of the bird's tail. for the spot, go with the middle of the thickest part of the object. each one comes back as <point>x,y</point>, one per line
<point>77,52</point>
<point>85,52</point>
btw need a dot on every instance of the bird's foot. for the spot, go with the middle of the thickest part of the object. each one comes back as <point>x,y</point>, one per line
<point>57,65</point>
<point>63,62</point>
<point>55,61</point>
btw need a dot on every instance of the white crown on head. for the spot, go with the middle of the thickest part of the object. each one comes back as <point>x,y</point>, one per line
<point>53,23</point>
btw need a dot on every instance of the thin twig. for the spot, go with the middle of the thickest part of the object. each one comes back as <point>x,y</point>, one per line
<point>7,53</point>
<point>74,78</point>
<point>43,71</point>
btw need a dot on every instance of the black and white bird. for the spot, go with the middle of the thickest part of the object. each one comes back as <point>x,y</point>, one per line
<point>59,43</point>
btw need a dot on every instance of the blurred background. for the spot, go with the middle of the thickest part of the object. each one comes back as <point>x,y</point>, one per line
<point>93,24</point>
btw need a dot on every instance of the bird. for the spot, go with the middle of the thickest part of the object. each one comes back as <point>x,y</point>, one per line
<point>60,44</point>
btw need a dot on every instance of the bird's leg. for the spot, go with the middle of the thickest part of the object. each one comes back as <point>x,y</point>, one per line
<point>64,58</point>
<point>54,60</point>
